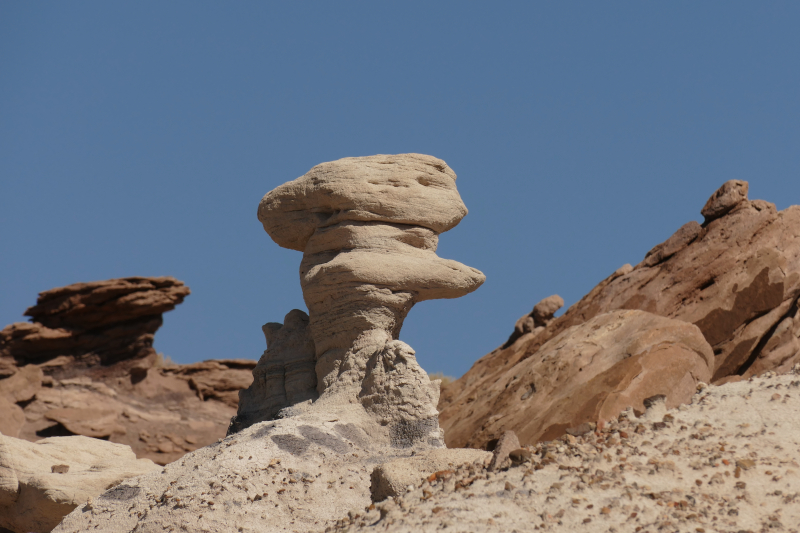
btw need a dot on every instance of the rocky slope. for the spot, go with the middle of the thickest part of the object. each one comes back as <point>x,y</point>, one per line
<point>726,463</point>
<point>736,278</point>
<point>85,365</point>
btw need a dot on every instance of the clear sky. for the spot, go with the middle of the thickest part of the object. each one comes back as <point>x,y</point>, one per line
<point>137,138</point>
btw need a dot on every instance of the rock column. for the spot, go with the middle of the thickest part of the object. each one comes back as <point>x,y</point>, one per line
<point>368,228</point>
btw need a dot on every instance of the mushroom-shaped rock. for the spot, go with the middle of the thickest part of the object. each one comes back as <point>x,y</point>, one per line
<point>368,228</point>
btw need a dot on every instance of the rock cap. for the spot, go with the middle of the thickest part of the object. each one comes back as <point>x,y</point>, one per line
<point>413,189</point>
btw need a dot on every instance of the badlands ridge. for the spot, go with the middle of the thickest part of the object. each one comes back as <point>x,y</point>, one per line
<point>564,427</point>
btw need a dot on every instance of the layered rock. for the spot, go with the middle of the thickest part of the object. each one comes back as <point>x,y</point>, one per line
<point>368,228</point>
<point>736,277</point>
<point>284,376</point>
<point>86,366</point>
<point>91,324</point>
<point>42,482</point>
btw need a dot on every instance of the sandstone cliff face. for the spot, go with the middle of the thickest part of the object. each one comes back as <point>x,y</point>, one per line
<point>86,366</point>
<point>736,277</point>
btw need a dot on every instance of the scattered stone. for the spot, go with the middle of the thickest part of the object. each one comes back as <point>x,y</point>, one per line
<point>638,484</point>
<point>520,455</point>
<point>507,443</point>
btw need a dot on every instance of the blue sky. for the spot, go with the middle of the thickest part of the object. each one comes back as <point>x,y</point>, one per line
<point>136,139</point>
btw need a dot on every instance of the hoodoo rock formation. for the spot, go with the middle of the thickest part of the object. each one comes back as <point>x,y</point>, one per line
<point>736,278</point>
<point>336,393</point>
<point>368,228</point>
<point>85,365</point>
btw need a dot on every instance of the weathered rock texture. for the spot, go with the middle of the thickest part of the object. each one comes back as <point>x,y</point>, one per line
<point>86,366</point>
<point>587,373</point>
<point>97,323</point>
<point>736,277</point>
<point>536,320</point>
<point>42,482</point>
<point>284,376</point>
<point>368,228</point>
<point>393,478</point>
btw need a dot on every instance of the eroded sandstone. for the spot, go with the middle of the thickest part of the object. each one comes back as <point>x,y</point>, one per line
<point>86,366</point>
<point>368,228</point>
<point>736,277</point>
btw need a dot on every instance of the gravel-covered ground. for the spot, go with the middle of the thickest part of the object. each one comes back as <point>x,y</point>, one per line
<point>726,463</point>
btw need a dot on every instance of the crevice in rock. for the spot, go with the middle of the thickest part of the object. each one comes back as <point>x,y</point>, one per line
<point>765,339</point>
<point>56,430</point>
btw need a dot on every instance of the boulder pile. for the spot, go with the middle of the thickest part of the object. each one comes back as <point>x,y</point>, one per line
<point>716,302</point>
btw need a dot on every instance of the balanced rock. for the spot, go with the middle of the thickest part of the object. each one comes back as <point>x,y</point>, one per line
<point>42,482</point>
<point>736,277</point>
<point>302,449</point>
<point>731,194</point>
<point>368,228</point>
<point>587,373</point>
<point>541,315</point>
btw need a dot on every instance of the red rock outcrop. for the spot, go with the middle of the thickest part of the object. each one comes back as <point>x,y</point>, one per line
<point>587,373</point>
<point>736,277</point>
<point>85,365</point>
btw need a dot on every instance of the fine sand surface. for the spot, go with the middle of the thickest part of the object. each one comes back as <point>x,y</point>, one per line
<point>729,462</point>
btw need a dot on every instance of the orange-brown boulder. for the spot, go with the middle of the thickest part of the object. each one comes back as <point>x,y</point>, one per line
<point>736,277</point>
<point>587,373</point>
